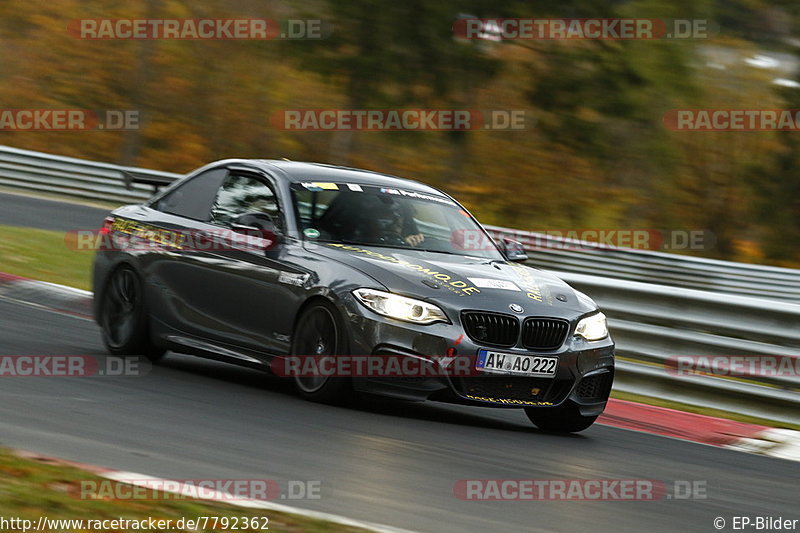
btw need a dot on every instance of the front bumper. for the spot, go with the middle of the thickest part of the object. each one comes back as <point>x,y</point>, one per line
<point>584,374</point>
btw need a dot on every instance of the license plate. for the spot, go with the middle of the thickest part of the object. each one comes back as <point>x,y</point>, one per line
<point>511,363</point>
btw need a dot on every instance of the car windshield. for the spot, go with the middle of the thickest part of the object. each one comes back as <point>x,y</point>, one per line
<point>380,216</point>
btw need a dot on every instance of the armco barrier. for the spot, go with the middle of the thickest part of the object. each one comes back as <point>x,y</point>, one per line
<point>38,171</point>
<point>654,324</point>
<point>566,255</point>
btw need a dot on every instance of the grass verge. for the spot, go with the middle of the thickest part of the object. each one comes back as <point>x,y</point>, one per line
<point>36,487</point>
<point>44,255</point>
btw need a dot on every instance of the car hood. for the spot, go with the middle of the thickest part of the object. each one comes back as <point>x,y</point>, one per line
<point>461,281</point>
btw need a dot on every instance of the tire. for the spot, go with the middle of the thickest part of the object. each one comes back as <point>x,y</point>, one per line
<point>319,331</point>
<point>123,316</point>
<point>564,419</point>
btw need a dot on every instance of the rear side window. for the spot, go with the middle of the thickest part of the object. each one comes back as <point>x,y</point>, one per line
<point>194,198</point>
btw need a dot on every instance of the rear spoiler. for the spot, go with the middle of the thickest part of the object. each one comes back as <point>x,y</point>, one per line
<point>146,179</point>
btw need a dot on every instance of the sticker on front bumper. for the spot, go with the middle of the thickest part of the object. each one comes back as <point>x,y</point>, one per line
<point>510,363</point>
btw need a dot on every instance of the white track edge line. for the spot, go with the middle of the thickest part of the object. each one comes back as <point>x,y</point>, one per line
<point>133,478</point>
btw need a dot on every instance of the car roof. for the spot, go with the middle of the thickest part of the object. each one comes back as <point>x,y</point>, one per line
<point>298,172</point>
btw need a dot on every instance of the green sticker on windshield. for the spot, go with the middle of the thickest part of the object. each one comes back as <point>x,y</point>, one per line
<point>311,233</point>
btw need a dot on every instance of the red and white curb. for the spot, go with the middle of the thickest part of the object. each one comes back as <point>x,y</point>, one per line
<point>44,295</point>
<point>781,443</point>
<point>729,434</point>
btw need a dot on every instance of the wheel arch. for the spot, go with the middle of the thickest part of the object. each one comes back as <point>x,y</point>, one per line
<point>329,300</point>
<point>102,277</point>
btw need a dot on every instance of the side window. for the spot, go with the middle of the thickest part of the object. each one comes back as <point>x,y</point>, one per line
<point>242,194</point>
<point>193,198</point>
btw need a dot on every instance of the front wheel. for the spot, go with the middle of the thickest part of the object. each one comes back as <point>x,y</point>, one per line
<point>319,333</point>
<point>123,316</point>
<point>564,419</point>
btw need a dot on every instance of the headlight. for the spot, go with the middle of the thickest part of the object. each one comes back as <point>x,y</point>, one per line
<point>593,328</point>
<point>400,307</point>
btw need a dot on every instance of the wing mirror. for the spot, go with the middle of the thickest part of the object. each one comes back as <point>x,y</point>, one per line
<point>257,225</point>
<point>513,250</point>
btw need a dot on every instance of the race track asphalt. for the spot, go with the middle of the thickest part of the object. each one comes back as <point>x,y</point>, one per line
<point>393,463</point>
<point>42,213</point>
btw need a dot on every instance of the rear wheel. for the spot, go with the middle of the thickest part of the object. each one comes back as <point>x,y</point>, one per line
<point>123,316</point>
<point>564,419</point>
<point>319,333</point>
